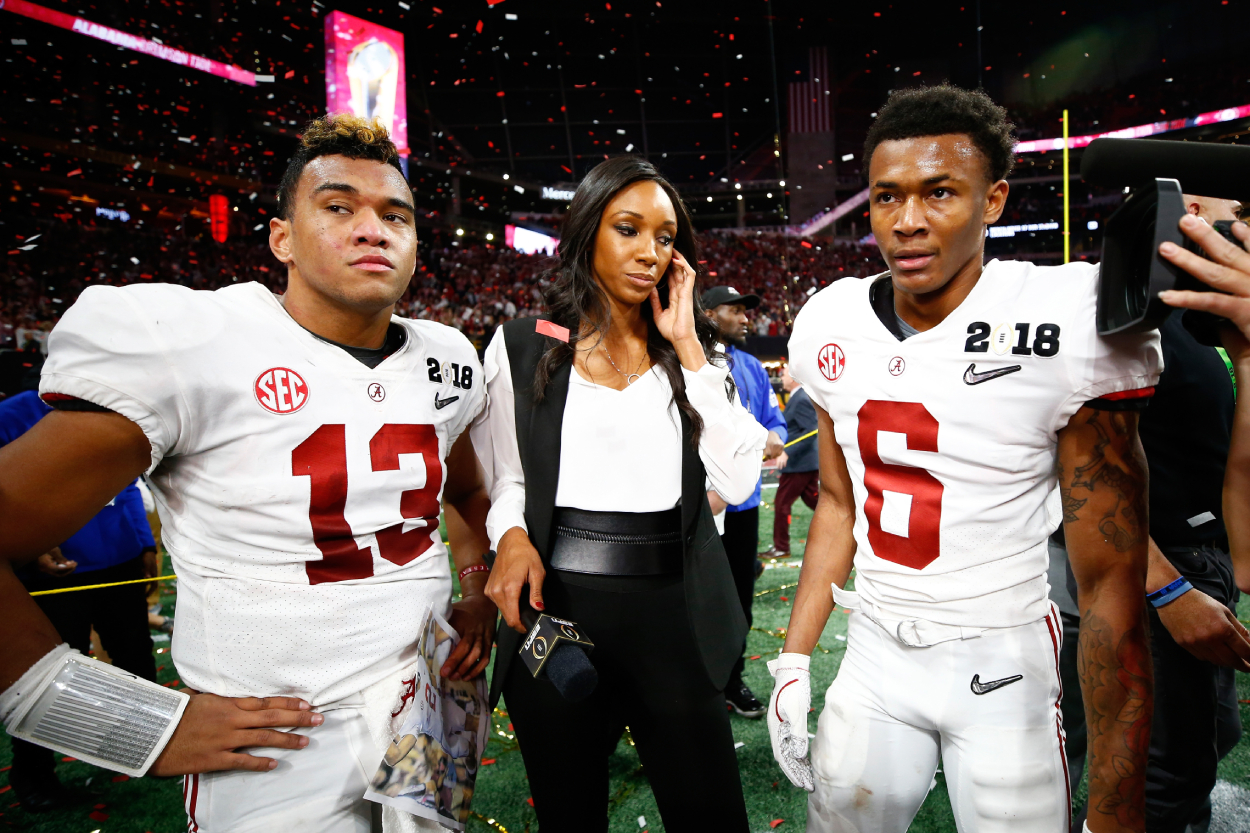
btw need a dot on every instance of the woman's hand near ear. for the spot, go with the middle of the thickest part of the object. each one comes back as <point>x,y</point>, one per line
<point>676,323</point>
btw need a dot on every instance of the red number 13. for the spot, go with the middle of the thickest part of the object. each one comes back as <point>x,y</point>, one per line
<point>921,546</point>
<point>323,459</point>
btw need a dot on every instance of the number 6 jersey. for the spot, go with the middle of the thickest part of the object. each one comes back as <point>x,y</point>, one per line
<point>298,489</point>
<point>951,436</point>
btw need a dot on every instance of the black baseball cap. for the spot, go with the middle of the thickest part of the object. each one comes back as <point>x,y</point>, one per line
<point>718,295</point>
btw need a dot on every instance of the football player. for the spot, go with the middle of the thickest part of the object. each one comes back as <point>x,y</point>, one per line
<point>965,410</point>
<point>299,447</point>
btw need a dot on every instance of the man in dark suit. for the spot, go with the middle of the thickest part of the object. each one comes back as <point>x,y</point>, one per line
<point>799,464</point>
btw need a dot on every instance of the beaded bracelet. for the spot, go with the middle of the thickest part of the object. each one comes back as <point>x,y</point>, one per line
<point>473,568</point>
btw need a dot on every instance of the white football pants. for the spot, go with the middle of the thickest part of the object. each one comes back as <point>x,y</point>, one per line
<point>895,707</point>
<point>317,789</point>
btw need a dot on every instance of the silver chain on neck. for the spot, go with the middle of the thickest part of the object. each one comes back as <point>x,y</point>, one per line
<point>632,377</point>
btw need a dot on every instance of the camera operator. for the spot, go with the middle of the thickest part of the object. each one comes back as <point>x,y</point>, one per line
<point>1197,643</point>
<point>1228,271</point>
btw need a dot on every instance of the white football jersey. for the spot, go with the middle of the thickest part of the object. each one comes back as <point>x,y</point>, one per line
<point>951,436</point>
<point>298,490</point>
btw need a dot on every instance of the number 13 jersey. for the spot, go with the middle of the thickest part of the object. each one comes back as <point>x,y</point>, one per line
<point>951,436</point>
<point>298,489</point>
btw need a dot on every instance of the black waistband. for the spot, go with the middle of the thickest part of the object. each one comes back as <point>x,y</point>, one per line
<point>618,543</point>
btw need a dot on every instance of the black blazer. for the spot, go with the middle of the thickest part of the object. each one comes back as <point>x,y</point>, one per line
<point>716,616</point>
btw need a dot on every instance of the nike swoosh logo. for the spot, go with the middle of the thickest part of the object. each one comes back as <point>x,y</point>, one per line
<point>439,404</point>
<point>979,687</point>
<point>971,377</point>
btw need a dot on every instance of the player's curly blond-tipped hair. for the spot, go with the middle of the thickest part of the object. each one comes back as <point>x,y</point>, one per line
<point>339,134</point>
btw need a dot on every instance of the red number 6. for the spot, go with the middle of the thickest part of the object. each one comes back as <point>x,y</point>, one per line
<point>922,544</point>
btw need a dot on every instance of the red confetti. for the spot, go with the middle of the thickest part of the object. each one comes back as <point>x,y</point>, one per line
<point>757,656</point>
<point>478,27</point>
<point>529,801</point>
<point>776,823</point>
<point>67,760</point>
<point>75,172</point>
<point>6,768</point>
<point>5,788</point>
<point>487,761</point>
<point>290,73</point>
<point>99,806</point>
<point>785,598</point>
<point>96,815</point>
<point>714,115</point>
<point>117,779</point>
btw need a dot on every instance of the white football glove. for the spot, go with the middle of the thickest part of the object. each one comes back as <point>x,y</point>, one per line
<point>787,717</point>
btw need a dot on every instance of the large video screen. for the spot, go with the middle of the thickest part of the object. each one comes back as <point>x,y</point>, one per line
<point>365,73</point>
<point>530,242</point>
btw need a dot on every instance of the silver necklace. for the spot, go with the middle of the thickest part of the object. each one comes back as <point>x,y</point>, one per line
<point>631,378</point>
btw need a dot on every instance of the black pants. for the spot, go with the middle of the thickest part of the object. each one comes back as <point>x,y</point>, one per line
<point>650,676</point>
<point>1196,718</point>
<point>120,617</point>
<point>742,545</point>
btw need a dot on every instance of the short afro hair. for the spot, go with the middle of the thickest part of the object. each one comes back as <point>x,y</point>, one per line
<point>336,135</point>
<point>936,111</point>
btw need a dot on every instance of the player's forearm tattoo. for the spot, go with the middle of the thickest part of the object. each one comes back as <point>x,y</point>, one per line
<point>1070,504</point>
<point>1113,478</point>
<point>1115,670</point>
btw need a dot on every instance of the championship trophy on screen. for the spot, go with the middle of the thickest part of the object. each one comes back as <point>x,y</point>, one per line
<point>373,72</point>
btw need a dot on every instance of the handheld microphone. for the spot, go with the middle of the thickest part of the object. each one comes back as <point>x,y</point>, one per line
<point>555,648</point>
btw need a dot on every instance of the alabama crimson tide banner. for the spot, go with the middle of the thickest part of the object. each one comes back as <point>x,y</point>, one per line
<point>127,41</point>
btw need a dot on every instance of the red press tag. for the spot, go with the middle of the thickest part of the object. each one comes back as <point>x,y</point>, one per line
<point>547,328</point>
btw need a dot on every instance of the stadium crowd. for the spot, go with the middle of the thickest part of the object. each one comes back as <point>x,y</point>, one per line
<point>473,286</point>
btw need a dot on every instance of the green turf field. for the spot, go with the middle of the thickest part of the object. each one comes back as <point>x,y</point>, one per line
<point>112,804</point>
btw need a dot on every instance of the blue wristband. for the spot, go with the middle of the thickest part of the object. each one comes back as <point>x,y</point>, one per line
<point>1171,593</point>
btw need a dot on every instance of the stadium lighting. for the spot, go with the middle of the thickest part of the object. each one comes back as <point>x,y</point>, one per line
<point>738,185</point>
<point>505,176</point>
<point>709,199</point>
<point>460,232</point>
<point>782,183</point>
<point>490,235</point>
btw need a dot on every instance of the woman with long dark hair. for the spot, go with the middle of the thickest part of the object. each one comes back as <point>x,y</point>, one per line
<point>608,422</point>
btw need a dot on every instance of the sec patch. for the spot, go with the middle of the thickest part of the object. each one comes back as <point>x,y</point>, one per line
<point>281,390</point>
<point>831,361</point>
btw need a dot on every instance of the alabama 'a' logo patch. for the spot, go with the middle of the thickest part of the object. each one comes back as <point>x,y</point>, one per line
<point>281,390</point>
<point>831,361</point>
